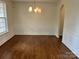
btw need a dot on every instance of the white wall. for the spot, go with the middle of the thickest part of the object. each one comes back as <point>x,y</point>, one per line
<point>71,25</point>
<point>26,23</point>
<point>10,34</point>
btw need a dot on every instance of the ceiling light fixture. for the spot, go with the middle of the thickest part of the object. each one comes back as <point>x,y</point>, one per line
<point>36,9</point>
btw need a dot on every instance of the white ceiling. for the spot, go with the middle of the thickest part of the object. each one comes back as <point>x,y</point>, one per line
<point>37,0</point>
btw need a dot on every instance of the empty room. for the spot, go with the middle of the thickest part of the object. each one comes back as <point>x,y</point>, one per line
<point>39,29</point>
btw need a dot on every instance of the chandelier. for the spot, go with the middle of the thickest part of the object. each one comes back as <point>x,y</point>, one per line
<point>36,8</point>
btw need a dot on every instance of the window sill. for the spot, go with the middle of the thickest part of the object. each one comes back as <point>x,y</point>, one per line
<point>3,33</point>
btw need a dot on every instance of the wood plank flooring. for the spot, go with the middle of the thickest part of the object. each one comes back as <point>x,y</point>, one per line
<point>35,47</point>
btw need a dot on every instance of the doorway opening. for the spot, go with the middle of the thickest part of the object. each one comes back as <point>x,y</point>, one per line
<point>61,22</point>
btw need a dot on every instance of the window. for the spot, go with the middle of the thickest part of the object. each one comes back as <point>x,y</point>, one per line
<point>3,18</point>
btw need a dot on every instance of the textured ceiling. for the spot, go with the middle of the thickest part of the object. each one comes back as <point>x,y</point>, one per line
<point>37,0</point>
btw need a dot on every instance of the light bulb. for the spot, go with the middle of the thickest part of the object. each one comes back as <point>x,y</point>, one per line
<point>30,9</point>
<point>39,10</point>
<point>36,10</point>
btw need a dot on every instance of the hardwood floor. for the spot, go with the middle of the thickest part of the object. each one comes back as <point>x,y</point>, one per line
<point>35,47</point>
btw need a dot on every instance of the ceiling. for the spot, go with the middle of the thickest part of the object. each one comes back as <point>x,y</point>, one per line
<point>37,0</point>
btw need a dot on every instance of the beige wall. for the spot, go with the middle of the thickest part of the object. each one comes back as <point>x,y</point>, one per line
<point>10,34</point>
<point>26,23</point>
<point>71,24</point>
<point>61,22</point>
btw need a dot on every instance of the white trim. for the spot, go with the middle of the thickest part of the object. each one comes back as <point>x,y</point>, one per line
<point>5,40</point>
<point>72,49</point>
<point>3,33</point>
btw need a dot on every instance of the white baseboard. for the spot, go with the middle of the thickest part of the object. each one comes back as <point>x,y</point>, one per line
<point>5,39</point>
<point>57,36</point>
<point>72,49</point>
